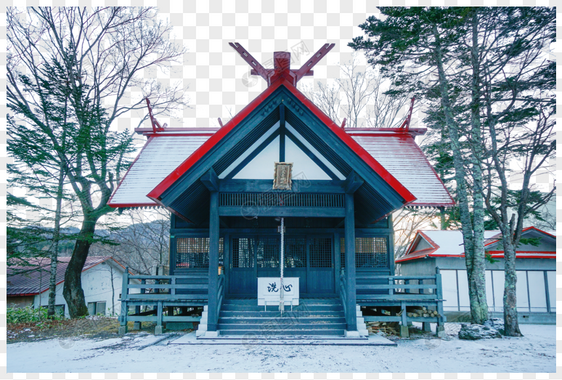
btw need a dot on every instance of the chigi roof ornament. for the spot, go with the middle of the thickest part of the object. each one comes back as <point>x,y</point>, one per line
<point>282,64</point>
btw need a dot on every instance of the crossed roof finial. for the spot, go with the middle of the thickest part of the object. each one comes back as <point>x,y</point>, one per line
<point>282,64</point>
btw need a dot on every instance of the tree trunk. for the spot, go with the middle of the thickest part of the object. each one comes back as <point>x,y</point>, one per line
<point>477,277</point>
<point>511,325</point>
<point>474,250</point>
<point>73,293</point>
<point>55,249</point>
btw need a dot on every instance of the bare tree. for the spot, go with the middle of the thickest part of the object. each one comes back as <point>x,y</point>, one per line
<point>143,245</point>
<point>90,58</point>
<point>359,96</point>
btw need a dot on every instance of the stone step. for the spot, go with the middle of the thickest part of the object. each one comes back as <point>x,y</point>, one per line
<point>302,301</point>
<point>269,320</point>
<point>275,326</point>
<point>276,315</point>
<point>301,308</point>
<point>260,334</point>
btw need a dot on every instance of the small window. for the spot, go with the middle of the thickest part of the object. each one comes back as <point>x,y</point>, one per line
<point>370,253</point>
<point>95,308</point>
<point>193,253</point>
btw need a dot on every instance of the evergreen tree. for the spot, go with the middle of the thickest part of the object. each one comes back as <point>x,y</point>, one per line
<point>490,94</point>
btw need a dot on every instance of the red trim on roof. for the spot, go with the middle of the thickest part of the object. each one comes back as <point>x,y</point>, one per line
<point>123,205</point>
<point>167,131</point>
<point>164,134</point>
<point>210,143</point>
<point>553,256</point>
<point>157,192</point>
<point>428,239</point>
<point>385,131</point>
<point>498,236</point>
<point>537,252</point>
<point>354,145</point>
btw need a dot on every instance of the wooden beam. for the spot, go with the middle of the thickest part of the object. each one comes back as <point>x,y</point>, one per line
<point>210,180</point>
<point>257,68</point>
<point>282,133</point>
<point>353,183</point>
<point>265,186</point>
<point>282,211</point>
<point>313,61</point>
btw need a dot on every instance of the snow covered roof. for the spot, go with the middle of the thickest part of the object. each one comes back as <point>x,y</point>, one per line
<point>403,158</point>
<point>32,279</point>
<point>159,157</point>
<point>440,243</point>
<point>395,150</point>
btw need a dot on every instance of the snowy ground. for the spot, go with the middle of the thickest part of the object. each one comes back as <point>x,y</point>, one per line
<point>535,352</point>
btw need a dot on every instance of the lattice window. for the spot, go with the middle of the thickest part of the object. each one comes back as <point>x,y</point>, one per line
<point>243,252</point>
<point>370,252</point>
<point>320,252</point>
<point>193,253</point>
<point>268,252</point>
<point>295,252</point>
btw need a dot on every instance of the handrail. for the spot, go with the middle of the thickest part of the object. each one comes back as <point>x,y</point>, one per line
<point>343,288</point>
<point>220,292</point>
<point>163,286</point>
<point>414,286</point>
<point>163,277</point>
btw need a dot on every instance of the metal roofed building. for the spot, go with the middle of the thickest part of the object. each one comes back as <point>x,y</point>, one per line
<point>535,265</point>
<point>281,160</point>
<point>28,284</point>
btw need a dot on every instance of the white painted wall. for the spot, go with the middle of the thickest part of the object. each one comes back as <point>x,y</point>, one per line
<point>531,290</point>
<point>96,283</point>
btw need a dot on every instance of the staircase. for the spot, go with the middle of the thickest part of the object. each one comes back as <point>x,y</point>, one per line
<point>313,317</point>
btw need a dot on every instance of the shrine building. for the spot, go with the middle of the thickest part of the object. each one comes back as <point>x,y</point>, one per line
<point>281,179</point>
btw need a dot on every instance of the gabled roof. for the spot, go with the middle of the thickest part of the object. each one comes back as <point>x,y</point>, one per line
<point>33,279</point>
<point>184,194</point>
<point>156,193</point>
<point>450,244</point>
<point>527,232</point>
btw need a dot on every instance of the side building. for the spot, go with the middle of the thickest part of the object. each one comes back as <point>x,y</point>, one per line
<point>535,264</point>
<point>102,276</point>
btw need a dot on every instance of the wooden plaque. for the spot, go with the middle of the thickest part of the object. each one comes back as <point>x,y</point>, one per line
<point>282,176</point>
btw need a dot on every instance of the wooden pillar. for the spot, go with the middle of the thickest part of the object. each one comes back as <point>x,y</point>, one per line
<point>351,311</point>
<point>337,261</point>
<point>213,261</point>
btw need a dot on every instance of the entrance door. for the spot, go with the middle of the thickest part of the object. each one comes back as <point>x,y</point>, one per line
<point>242,274</point>
<point>310,258</point>
<point>320,279</point>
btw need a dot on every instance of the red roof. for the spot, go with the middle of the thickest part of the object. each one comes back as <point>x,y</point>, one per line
<point>32,279</point>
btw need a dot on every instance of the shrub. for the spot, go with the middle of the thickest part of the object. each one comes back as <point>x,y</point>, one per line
<point>29,314</point>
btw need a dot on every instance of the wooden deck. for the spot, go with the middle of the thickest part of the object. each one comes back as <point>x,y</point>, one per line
<point>181,298</point>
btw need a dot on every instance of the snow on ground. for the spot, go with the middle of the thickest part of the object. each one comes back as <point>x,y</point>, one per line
<point>535,352</point>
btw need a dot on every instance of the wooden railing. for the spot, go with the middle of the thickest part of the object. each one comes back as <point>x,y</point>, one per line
<point>404,292</point>
<point>159,292</point>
